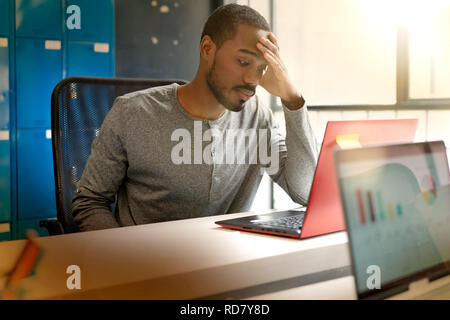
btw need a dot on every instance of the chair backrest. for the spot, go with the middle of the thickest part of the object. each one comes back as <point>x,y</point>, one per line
<point>79,106</point>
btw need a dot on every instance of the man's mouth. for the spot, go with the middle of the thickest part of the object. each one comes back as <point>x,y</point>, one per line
<point>245,94</point>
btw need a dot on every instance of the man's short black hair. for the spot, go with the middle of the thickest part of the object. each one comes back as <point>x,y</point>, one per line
<point>222,23</point>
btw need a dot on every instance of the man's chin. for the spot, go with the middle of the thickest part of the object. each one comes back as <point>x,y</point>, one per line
<point>235,107</point>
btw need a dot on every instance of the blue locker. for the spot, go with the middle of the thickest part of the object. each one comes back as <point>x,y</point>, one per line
<point>5,178</point>
<point>36,183</point>
<point>96,20</point>
<point>39,19</point>
<point>4,18</point>
<point>89,59</point>
<point>24,225</point>
<point>38,71</point>
<point>4,83</point>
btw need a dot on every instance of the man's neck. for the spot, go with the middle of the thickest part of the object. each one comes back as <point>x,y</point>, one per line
<point>198,100</point>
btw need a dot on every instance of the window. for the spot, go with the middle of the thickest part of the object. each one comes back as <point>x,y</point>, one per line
<point>339,53</point>
<point>347,52</point>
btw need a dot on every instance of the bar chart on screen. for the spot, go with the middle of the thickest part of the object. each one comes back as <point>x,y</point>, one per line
<point>373,209</point>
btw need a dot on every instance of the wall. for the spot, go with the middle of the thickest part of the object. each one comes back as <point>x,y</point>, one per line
<point>159,39</point>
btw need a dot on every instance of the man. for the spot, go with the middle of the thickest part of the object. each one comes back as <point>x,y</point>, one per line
<point>138,155</point>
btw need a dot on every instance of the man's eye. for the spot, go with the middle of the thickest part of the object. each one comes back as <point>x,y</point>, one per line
<point>243,62</point>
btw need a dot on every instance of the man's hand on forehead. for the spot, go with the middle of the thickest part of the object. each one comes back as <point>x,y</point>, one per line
<point>276,80</point>
<point>270,49</point>
<point>268,40</point>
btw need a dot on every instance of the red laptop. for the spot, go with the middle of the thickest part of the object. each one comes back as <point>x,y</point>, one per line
<point>324,212</point>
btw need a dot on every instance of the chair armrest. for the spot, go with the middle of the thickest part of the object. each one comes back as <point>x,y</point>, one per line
<point>53,226</point>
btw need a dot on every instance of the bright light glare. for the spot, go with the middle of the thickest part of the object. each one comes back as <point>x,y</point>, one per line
<point>428,28</point>
<point>411,14</point>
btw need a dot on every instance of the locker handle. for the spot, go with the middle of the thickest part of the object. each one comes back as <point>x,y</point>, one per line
<point>101,47</point>
<point>52,45</point>
<point>4,135</point>
<point>4,227</point>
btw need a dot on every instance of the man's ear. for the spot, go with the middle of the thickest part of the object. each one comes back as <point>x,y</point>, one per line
<point>207,49</point>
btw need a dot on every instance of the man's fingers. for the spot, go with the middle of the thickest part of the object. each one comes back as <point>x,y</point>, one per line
<point>272,59</point>
<point>267,43</point>
<point>274,40</point>
<point>267,53</point>
<point>265,49</point>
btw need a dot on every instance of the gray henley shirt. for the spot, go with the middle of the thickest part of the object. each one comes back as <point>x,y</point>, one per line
<point>162,164</point>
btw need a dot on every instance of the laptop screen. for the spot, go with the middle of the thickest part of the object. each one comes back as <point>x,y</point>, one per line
<point>397,206</point>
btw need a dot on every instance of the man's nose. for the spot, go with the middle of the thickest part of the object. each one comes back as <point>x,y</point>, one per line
<point>252,77</point>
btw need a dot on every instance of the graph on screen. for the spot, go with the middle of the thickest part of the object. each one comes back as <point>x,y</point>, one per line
<point>398,217</point>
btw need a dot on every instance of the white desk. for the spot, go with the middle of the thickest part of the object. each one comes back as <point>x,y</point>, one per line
<point>185,259</point>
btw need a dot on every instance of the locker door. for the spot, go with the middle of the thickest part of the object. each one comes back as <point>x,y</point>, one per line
<point>89,59</point>
<point>36,183</point>
<point>4,83</point>
<point>39,19</point>
<point>39,69</point>
<point>5,180</point>
<point>97,20</point>
<point>4,18</point>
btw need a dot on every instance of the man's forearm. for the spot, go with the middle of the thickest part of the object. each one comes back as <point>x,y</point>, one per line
<point>302,153</point>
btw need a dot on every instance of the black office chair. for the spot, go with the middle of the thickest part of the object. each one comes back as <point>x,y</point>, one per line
<point>79,106</point>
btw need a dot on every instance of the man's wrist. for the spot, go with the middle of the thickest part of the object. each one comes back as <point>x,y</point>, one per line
<point>294,103</point>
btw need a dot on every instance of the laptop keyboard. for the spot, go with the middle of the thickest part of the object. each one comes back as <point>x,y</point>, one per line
<point>291,222</point>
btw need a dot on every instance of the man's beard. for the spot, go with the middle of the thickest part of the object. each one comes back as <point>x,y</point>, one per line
<point>211,80</point>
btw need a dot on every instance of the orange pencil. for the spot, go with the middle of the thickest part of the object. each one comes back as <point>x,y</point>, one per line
<point>23,268</point>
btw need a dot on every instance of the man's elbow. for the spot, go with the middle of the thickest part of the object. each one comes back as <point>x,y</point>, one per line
<point>89,214</point>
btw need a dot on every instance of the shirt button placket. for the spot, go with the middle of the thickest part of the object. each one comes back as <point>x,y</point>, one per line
<point>215,192</point>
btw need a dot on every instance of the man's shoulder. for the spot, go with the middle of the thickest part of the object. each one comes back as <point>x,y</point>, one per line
<point>160,91</point>
<point>150,99</point>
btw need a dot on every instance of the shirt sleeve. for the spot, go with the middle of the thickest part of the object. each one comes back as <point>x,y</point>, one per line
<point>103,175</point>
<point>297,154</point>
